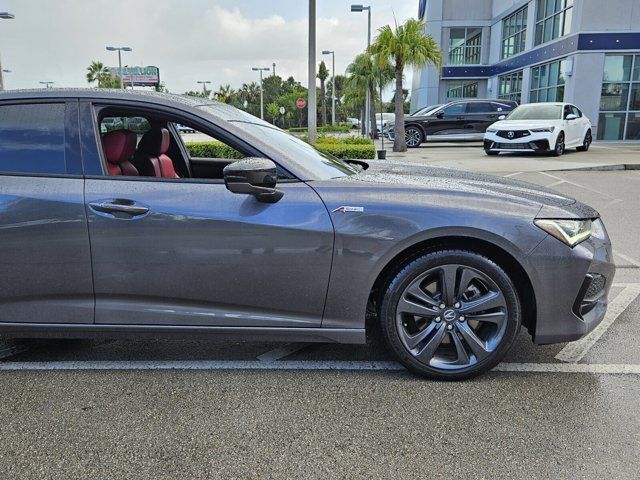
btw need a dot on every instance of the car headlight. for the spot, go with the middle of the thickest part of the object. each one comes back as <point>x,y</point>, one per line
<point>569,232</point>
<point>492,130</point>
<point>545,130</point>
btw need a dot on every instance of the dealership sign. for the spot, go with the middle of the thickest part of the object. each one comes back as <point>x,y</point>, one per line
<point>139,76</point>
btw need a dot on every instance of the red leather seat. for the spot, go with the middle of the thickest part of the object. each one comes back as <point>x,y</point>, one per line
<point>118,147</point>
<point>151,158</point>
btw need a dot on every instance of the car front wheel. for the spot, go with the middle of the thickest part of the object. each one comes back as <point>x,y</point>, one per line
<point>558,150</point>
<point>450,315</point>
<point>413,136</point>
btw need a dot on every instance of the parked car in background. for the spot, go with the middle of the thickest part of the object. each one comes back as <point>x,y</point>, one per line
<point>540,127</point>
<point>383,123</point>
<point>184,129</point>
<point>105,235</point>
<point>460,120</point>
<point>354,122</point>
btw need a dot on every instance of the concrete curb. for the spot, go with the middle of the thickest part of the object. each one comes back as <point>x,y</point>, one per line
<point>600,168</point>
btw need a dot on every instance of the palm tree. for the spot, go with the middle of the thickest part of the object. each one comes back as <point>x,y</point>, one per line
<point>225,94</point>
<point>365,75</point>
<point>97,72</point>
<point>323,74</point>
<point>406,46</point>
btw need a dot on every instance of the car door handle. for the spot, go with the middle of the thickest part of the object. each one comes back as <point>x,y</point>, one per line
<point>459,118</point>
<point>128,207</point>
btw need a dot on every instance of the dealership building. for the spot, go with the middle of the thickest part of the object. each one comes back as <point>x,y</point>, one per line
<point>586,52</point>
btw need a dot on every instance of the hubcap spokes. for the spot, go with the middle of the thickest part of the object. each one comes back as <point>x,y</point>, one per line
<point>412,138</point>
<point>451,317</point>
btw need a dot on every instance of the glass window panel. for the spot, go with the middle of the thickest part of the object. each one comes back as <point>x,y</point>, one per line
<point>560,94</point>
<point>544,76</point>
<point>636,68</point>
<point>568,15</point>
<point>614,96</point>
<point>634,104</point>
<point>617,68</point>
<point>633,126</point>
<point>554,73</point>
<point>539,28</point>
<point>611,126</point>
<point>456,37</point>
<point>540,7</point>
<point>535,77</point>
<point>563,72</point>
<point>550,10</point>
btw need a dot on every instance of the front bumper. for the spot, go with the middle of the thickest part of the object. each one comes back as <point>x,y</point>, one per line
<point>534,142</point>
<point>571,286</point>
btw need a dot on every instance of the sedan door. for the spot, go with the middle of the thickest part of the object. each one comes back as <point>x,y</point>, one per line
<point>573,128</point>
<point>451,120</point>
<point>45,255</point>
<point>188,252</point>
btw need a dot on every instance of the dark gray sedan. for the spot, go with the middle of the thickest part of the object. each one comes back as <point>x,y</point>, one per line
<point>112,225</point>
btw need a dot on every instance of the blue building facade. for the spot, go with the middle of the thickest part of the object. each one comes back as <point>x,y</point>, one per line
<point>585,52</point>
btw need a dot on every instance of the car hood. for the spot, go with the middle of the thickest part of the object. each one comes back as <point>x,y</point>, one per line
<point>520,124</point>
<point>470,185</point>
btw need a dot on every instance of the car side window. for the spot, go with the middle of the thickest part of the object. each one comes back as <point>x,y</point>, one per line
<point>455,109</point>
<point>32,138</point>
<point>479,107</point>
<point>576,111</point>
<point>501,107</point>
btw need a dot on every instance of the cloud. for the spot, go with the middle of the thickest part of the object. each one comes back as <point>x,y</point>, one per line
<point>189,41</point>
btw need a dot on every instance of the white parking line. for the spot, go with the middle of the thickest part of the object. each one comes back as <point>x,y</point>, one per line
<point>627,258</point>
<point>584,187</point>
<point>513,174</point>
<point>574,352</point>
<point>284,351</point>
<point>300,365</point>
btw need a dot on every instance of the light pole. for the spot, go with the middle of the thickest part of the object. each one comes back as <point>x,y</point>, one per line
<point>47,84</point>
<point>261,70</point>
<point>204,86</point>
<point>4,70</point>
<point>360,9</point>
<point>312,116</point>
<point>5,16</point>
<point>333,81</point>
<point>120,50</point>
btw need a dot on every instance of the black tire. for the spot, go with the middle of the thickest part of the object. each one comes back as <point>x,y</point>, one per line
<point>586,143</point>
<point>413,136</point>
<point>558,149</point>
<point>462,260</point>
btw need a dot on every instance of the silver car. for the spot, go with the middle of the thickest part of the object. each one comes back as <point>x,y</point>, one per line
<point>259,236</point>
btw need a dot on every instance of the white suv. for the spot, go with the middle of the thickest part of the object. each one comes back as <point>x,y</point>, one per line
<point>540,127</point>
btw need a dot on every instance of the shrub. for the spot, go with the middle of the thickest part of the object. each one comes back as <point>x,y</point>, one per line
<point>212,150</point>
<point>346,151</point>
<point>325,129</point>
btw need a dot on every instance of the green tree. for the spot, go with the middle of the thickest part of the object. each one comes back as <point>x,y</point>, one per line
<point>365,75</point>
<point>97,72</point>
<point>225,94</point>
<point>323,74</point>
<point>406,46</point>
<point>273,110</point>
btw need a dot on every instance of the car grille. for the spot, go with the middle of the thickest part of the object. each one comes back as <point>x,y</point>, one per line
<point>516,134</point>
<point>593,288</point>
<point>514,146</point>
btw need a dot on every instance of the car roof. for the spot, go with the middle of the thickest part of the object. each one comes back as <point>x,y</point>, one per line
<point>218,109</point>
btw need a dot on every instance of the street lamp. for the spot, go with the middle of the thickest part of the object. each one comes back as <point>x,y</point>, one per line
<point>47,84</point>
<point>204,85</point>
<point>261,70</point>
<point>119,50</point>
<point>360,9</point>
<point>333,100</point>
<point>312,115</point>
<point>5,16</point>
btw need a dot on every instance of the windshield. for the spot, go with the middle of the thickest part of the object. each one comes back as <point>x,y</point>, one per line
<point>425,111</point>
<point>536,112</point>
<point>320,165</point>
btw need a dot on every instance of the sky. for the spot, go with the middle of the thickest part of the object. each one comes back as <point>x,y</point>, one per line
<point>189,40</point>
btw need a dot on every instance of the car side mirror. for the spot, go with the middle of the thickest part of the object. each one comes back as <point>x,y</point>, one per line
<point>440,115</point>
<point>571,116</point>
<point>502,117</point>
<point>253,176</point>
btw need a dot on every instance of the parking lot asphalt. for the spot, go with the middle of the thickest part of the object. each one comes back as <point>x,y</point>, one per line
<point>219,409</point>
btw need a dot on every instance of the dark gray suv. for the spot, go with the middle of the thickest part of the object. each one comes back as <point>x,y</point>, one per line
<point>254,234</point>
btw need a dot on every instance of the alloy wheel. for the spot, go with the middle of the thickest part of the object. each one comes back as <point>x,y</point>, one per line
<point>451,317</point>
<point>560,145</point>
<point>413,136</point>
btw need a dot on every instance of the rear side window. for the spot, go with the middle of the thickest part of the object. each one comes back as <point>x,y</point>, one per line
<point>479,107</point>
<point>32,138</point>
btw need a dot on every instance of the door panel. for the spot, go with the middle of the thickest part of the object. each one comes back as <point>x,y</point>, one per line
<point>452,122</point>
<point>201,255</point>
<point>45,257</point>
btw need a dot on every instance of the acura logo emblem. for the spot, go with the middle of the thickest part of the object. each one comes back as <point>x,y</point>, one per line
<point>449,315</point>
<point>511,134</point>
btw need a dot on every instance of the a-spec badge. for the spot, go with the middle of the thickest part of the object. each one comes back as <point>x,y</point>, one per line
<point>345,209</point>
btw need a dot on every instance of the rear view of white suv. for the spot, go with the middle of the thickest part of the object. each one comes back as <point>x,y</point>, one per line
<point>540,127</point>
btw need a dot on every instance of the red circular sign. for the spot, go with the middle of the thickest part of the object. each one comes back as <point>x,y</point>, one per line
<point>301,103</point>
